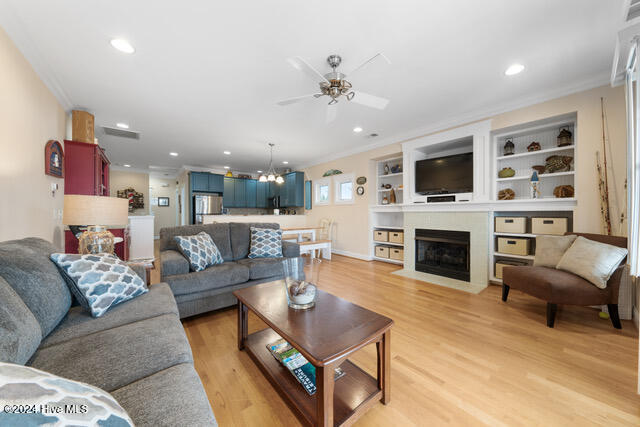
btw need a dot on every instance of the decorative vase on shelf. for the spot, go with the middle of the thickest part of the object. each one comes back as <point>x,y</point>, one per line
<point>386,169</point>
<point>392,196</point>
<point>385,201</point>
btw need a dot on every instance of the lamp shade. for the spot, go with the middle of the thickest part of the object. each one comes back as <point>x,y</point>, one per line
<point>95,210</point>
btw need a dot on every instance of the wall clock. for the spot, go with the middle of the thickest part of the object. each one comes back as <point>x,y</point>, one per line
<point>360,190</point>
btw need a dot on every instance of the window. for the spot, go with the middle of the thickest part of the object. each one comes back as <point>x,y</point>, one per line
<point>322,191</point>
<point>344,188</point>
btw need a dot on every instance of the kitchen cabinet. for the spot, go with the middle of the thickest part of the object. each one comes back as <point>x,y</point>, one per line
<point>86,169</point>
<point>206,182</point>
<point>228,194</point>
<point>216,183</point>
<point>262,194</point>
<point>240,196</point>
<point>293,190</point>
<point>252,192</point>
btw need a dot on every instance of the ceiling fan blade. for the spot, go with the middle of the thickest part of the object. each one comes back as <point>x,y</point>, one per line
<point>297,99</point>
<point>370,100</point>
<point>332,111</point>
<point>301,65</point>
<point>374,58</point>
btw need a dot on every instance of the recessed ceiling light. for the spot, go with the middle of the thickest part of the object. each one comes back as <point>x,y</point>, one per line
<point>226,167</point>
<point>285,162</point>
<point>173,154</point>
<point>514,69</point>
<point>122,45</point>
<point>357,129</point>
<point>259,171</point>
<point>227,152</point>
<point>122,125</point>
<point>127,166</point>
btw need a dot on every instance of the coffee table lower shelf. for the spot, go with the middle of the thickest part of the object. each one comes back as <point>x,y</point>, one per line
<point>353,393</point>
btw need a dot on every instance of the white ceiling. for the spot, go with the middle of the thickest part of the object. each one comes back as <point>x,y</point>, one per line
<point>206,74</point>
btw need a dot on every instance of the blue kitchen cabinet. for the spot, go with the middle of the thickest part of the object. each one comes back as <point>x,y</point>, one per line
<point>199,181</point>
<point>262,194</point>
<point>228,194</point>
<point>240,190</point>
<point>216,184</point>
<point>252,192</point>
<point>294,189</point>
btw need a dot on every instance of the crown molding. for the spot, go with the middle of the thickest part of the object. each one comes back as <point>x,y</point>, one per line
<point>469,117</point>
<point>16,30</point>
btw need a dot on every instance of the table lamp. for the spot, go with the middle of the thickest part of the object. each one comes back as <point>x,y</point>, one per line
<point>97,212</point>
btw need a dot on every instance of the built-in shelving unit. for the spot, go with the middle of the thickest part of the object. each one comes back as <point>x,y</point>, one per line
<point>387,217</point>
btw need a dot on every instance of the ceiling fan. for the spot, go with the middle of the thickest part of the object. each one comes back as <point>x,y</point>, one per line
<point>335,86</point>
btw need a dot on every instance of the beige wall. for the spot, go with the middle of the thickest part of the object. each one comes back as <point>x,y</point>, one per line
<point>351,231</point>
<point>164,216</point>
<point>29,116</point>
<point>120,180</point>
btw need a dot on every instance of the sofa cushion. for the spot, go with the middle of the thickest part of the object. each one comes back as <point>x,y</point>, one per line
<point>26,266</point>
<point>591,260</point>
<point>217,276</point>
<point>20,332</point>
<point>78,323</point>
<point>259,268</point>
<point>25,386</point>
<point>171,397</point>
<point>99,281</point>
<point>119,356</point>
<point>241,236</point>
<point>199,250</point>
<point>172,263</point>
<point>554,286</point>
<point>265,243</point>
<point>219,232</point>
<point>549,249</point>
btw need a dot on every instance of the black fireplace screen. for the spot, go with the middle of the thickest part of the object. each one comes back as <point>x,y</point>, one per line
<point>443,252</point>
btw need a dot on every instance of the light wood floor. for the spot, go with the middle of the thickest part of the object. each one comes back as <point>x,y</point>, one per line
<point>457,358</point>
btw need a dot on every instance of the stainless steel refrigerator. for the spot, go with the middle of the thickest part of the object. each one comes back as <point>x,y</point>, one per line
<point>210,204</point>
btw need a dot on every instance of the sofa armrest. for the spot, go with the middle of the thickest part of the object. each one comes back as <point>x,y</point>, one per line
<point>139,270</point>
<point>290,249</point>
<point>172,263</point>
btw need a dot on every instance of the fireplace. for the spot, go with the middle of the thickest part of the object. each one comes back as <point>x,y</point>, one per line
<point>443,252</point>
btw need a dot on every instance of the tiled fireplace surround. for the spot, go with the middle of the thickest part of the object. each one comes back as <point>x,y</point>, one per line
<point>476,223</point>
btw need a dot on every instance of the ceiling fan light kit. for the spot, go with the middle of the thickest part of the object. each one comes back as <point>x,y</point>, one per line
<point>270,175</point>
<point>335,85</point>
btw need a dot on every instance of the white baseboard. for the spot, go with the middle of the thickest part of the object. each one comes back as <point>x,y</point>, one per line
<point>351,254</point>
<point>636,317</point>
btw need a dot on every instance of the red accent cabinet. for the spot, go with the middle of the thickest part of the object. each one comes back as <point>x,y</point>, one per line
<point>86,169</point>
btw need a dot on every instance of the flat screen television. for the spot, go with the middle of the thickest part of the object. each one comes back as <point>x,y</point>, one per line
<point>442,175</point>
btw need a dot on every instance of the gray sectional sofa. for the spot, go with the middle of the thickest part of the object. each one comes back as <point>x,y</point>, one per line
<point>211,289</point>
<point>137,351</point>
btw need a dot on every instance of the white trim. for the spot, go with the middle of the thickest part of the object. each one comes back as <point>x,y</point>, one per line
<point>15,28</point>
<point>316,191</point>
<point>351,254</point>
<point>468,117</point>
<point>340,179</point>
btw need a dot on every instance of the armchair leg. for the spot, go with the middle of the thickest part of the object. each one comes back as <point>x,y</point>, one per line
<point>551,314</point>
<point>505,292</point>
<point>613,314</point>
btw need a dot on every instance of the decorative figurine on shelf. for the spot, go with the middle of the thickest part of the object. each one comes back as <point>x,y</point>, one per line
<point>509,147</point>
<point>396,168</point>
<point>506,173</point>
<point>562,191</point>
<point>506,194</point>
<point>565,137</point>
<point>557,163</point>
<point>386,169</point>
<point>392,196</point>
<point>535,186</point>
<point>385,201</point>
<point>538,168</point>
<point>534,146</point>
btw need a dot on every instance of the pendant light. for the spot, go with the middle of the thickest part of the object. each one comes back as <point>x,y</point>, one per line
<point>271,175</point>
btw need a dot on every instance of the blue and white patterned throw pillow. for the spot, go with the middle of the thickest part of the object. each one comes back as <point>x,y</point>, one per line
<point>200,250</point>
<point>265,243</point>
<point>99,281</point>
<point>44,399</point>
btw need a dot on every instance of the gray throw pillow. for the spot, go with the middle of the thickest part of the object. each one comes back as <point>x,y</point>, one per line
<point>99,281</point>
<point>199,250</point>
<point>591,260</point>
<point>55,400</point>
<point>549,249</point>
<point>265,243</point>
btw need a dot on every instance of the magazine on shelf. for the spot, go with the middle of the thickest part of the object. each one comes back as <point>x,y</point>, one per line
<point>296,363</point>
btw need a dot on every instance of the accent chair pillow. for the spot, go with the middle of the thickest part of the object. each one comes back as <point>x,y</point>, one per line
<point>549,249</point>
<point>56,400</point>
<point>591,260</point>
<point>99,281</point>
<point>265,243</point>
<point>200,250</point>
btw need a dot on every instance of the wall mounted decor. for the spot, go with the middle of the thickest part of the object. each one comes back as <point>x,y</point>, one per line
<point>361,180</point>
<point>360,190</point>
<point>508,147</point>
<point>565,137</point>
<point>54,159</point>
<point>506,194</point>
<point>534,146</point>
<point>332,172</point>
<point>163,201</point>
<point>136,200</point>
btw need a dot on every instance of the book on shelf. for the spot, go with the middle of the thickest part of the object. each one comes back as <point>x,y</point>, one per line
<point>296,363</point>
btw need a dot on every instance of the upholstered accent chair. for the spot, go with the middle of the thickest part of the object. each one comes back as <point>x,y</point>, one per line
<point>561,287</point>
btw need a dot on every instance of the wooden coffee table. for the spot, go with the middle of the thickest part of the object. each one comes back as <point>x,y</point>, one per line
<point>326,335</point>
